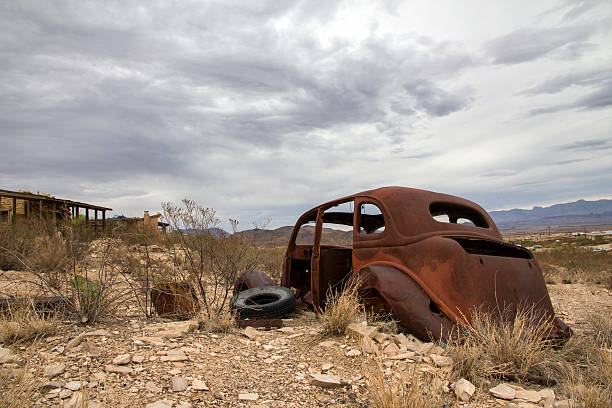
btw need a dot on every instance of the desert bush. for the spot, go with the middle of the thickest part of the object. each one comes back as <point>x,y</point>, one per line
<point>342,307</point>
<point>576,265</point>
<point>488,346</point>
<point>400,390</point>
<point>209,260</point>
<point>25,324</point>
<point>271,261</point>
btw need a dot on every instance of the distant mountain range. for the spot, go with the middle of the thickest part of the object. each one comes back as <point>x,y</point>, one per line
<point>576,214</point>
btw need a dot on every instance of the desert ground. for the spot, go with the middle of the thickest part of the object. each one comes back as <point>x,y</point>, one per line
<point>126,360</point>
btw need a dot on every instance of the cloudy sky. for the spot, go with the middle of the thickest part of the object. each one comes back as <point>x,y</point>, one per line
<point>266,108</point>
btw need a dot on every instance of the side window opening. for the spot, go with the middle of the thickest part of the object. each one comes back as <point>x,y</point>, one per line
<point>371,219</point>
<point>457,214</point>
<point>338,225</point>
<point>305,235</point>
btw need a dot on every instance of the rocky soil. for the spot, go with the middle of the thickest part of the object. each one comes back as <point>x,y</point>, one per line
<point>156,364</point>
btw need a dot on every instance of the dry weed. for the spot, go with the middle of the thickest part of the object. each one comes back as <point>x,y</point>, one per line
<point>25,324</point>
<point>491,347</point>
<point>342,307</point>
<point>398,391</point>
<point>576,265</point>
<point>18,388</point>
<point>219,323</point>
<point>600,325</point>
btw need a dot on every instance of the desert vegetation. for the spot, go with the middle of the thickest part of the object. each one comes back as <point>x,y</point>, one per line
<point>576,264</point>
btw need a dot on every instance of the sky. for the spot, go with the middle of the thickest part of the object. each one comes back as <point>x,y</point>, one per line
<point>264,109</point>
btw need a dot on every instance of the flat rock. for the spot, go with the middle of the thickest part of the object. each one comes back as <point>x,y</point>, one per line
<point>178,384</point>
<point>153,340</point>
<point>250,396</point>
<point>160,404</point>
<point>175,357</point>
<point>92,349</point>
<point>325,380</point>
<point>251,333</point>
<point>328,343</point>
<point>464,390</point>
<point>441,361</point>
<point>65,393</point>
<point>122,359</point>
<point>358,330</point>
<point>50,385</point>
<point>99,332</point>
<point>403,356</point>
<point>199,385</point>
<point>529,396</point>
<point>53,370</point>
<point>75,401</point>
<point>73,385</point>
<point>6,355</point>
<point>353,353</point>
<point>138,358</point>
<point>151,387</point>
<point>503,391</point>
<point>391,349</point>
<point>118,369</point>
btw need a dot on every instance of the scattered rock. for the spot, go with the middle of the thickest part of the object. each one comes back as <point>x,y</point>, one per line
<point>118,369</point>
<point>503,391</point>
<point>122,359</point>
<point>403,356</point>
<point>92,349</point>
<point>251,333</point>
<point>76,401</point>
<point>353,353</point>
<point>138,358</point>
<point>529,396</point>
<point>99,332</point>
<point>441,361</point>
<point>325,380</point>
<point>359,330</point>
<point>326,367</point>
<point>199,385</point>
<point>391,349</point>
<point>151,387</point>
<point>160,404</point>
<point>73,385</point>
<point>464,389</point>
<point>50,385</point>
<point>65,393</point>
<point>251,396</point>
<point>368,346</point>
<point>178,384</point>
<point>6,355</point>
<point>74,342</point>
<point>153,340</point>
<point>53,370</point>
<point>328,343</point>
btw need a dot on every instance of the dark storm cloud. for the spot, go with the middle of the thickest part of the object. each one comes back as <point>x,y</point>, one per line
<point>527,44</point>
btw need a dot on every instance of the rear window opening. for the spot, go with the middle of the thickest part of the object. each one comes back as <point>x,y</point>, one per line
<point>457,214</point>
<point>491,248</point>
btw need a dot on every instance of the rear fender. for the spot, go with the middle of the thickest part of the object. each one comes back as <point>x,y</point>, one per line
<point>408,301</point>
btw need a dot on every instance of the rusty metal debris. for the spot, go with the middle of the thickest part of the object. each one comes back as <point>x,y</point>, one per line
<point>175,300</point>
<point>431,259</point>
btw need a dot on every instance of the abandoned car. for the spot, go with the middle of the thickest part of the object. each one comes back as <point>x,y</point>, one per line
<point>430,259</point>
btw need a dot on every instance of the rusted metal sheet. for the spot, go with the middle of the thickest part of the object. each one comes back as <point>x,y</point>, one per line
<point>175,300</point>
<point>431,274</point>
<point>253,278</point>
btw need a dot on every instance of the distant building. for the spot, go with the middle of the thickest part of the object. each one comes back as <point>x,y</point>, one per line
<point>18,206</point>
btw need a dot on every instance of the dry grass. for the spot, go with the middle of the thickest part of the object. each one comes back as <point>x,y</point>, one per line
<point>490,347</point>
<point>398,391</point>
<point>24,325</point>
<point>219,323</point>
<point>576,265</point>
<point>600,325</point>
<point>18,388</point>
<point>341,309</point>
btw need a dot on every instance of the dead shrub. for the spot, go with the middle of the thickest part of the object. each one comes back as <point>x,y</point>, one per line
<point>342,307</point>
<point>223,323</point>
<point>488,346</point>
<point>271,261</point>
<point>24,324</point>
<point>399,390</point>
<point>600,325</point>
<point>207,258</point>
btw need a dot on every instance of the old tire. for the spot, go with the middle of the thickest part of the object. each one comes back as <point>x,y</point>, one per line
<point>264,302</point>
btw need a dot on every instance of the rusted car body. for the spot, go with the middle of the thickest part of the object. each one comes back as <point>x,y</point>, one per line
<point>431,259</point>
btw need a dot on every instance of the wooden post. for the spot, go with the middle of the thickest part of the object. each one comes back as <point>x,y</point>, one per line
<point>40,209</point>
<point>86,217</point>
<point>103,221</point>
<point>96,222</point>
<point>14,219</point>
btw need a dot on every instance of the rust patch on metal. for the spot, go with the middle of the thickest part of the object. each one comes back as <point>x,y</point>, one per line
<point>175,300</point>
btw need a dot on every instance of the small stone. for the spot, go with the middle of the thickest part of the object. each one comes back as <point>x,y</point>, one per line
<point>50,385</point>
<point>53,370</point>
<point>353,353</point>
<point>441,361</point>
<point>160,404</point>
<point>251,396</point>
<point>464,389</point>
<point>328,343</point>
<point>359,330</point>
<point>380,337</point>
<point>175,357</point>
<point>6,355</point>
<point>73,385</point>
<point>178,384</point>
<point>368,346</point>
<point>326,367</point>
<point>199,385</point>
<point>118,369</point>
<point>138,358</point>
<point>503,391</point>
<point>325,380</point>
<point>528,395</point>
<point>65,394</point>
<point>251,333</point>
<point>403,356</point>
<point>99,332</point>
<point>122,359</point>
<point>424,348</point>
<point>92,349</point>
<point>391,349</point>
<point>74,342</point>
<point>151,387</point>
<point>100,376</point>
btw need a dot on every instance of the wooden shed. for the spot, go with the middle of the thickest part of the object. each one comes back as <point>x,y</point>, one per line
<point>22,205</point>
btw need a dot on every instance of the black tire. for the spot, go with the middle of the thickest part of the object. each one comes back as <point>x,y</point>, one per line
<point>264,302</point>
